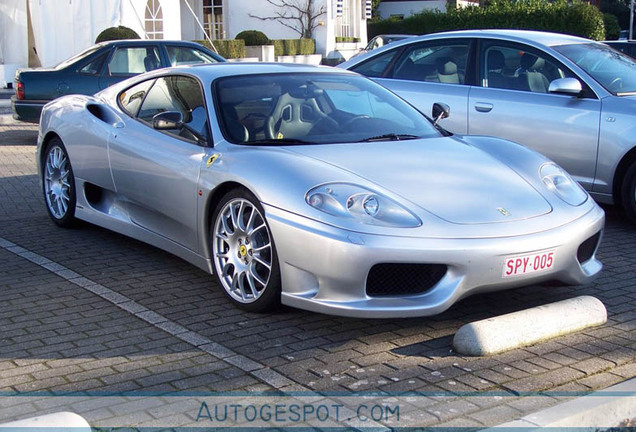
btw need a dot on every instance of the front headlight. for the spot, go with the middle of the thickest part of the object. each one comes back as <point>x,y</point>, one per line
<point>364,205</point>
<point>560,182</point>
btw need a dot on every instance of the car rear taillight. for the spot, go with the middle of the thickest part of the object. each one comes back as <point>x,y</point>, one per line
<point>19,90</point>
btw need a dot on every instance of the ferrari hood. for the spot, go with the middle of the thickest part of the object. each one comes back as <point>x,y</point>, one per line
<point>451,179</point>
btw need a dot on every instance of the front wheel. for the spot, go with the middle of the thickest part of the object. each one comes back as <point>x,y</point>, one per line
<point>245,260</point>
<point>628,193</point>
<point>59,184</point>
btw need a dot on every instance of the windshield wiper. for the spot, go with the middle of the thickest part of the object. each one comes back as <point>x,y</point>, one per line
<point>281,141</point>
<point>390,137</point>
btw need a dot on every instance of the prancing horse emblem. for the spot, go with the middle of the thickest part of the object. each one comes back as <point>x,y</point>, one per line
<point>503,211</point>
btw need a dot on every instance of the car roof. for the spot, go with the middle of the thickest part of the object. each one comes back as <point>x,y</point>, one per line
<point>536,37</point>
<point>216,70</point>
<point>147,41</point>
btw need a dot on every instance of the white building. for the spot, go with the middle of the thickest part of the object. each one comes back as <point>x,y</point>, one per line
<point>56,29</point>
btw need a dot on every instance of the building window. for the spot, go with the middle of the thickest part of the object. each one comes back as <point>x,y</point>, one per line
<point>348,12</point>
<point>154,20</point>
<point>213,18</point>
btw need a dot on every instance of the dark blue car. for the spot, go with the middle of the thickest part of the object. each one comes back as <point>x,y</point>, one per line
<point>98,67</point>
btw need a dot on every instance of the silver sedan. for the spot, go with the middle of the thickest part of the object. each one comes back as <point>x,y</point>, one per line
<point>569,98</point>
<point>313,187</point>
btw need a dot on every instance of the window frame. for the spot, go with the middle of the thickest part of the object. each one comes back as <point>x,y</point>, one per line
<point>135,117</point>
<point>486,43</point>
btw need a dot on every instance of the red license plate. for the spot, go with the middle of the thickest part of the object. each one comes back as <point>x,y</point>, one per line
<point>528,263</point>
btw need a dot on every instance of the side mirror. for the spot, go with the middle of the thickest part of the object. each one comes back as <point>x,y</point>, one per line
<point>440,111</point>
<point>168,120</point>
<point>566,86</point>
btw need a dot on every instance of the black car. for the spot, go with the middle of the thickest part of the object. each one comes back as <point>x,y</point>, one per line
<point>98,67</point>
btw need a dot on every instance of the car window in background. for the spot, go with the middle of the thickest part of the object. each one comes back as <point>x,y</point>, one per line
<point>133,60</point>
<point>513,67</point>
<point>180,56</point>
<point>131,99</point>
<point>94,67</point>
<point>615,71</point>
<point>434,62</point>
<point>375,67</point>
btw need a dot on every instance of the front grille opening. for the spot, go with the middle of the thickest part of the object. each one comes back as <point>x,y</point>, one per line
<point>587,248</point>
<point>403,279</point>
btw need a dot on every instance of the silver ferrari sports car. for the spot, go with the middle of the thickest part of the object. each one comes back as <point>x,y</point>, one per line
<point>314,187</point>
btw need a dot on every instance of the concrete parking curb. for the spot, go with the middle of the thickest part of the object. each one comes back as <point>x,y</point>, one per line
<point>601,409</point>
<point>57,422</point>
<point>530,326</point>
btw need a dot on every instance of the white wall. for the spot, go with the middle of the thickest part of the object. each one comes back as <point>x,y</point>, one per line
<point>64,28</point>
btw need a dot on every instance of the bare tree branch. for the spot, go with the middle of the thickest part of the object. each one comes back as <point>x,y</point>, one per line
<point>298,15</point>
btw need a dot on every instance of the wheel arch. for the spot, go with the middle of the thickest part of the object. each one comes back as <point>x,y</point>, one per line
<point>619,176</point>
<point>45,142</point>
<point>214,197</point>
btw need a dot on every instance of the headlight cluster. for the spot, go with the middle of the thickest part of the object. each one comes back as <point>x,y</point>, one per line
<point>364,205</point>
<point>560,182</point>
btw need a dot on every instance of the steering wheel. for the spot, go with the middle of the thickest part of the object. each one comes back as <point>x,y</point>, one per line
<point>354,119</point>
<point>616,84</point>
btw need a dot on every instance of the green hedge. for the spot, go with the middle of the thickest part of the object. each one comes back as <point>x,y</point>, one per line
<point>228,48</point>
<point>612,28</point>
<point>294,47</point>
<point>340,39</point>
<point>578,18</point>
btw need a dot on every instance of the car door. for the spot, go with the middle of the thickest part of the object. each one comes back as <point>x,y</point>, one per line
<point>126,61</point>
<point>427,72</point>
<point>157,171</point>
<point>512,102</point>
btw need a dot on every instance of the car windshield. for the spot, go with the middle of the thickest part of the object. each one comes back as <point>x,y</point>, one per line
<point>313,108</point>
<point>615,71</point>
<point>77,57</point>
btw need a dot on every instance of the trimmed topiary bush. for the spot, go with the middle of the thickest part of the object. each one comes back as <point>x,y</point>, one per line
<point>116,33</point>
<point>253,37</point>
<point>578,18</point>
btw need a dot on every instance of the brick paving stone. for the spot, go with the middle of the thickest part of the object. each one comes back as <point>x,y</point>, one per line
<point>118,350</point>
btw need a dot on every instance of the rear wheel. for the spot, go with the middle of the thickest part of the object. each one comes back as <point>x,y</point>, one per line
<point>245,259</point>
<point>58,184</point>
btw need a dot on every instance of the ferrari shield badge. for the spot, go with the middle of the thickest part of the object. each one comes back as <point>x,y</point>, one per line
<point>212,159</point>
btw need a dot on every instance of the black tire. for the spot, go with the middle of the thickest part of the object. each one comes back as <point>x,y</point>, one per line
<point>245,250</point>
<point>58,184</point>
<point>628,193</point>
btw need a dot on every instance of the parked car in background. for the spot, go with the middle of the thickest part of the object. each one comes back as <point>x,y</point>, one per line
<point>381,40</point>
<point>624,46</point>
<point>572,99</point>
<point>315,187</point>
<point>98,67</point>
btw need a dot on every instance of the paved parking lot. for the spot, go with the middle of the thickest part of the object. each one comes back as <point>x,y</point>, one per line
<point>89,310</point>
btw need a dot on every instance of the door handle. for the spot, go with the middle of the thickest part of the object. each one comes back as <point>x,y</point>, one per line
<point>483,107</point>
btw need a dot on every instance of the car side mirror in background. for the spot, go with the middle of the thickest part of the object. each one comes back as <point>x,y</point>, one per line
<point>168,120</point>
<point>440,111</point>
<point>566,86</point>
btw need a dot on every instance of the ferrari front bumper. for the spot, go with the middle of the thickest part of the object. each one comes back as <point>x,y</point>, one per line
<point>325,269</point>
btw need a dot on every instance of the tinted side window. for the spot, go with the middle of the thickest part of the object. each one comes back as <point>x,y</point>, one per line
<point>376,66</point>
<point>518,67</point>
<point>443,62</point>
<point>133,60</point>
<point>131,99</point>
<point>181,94</point>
